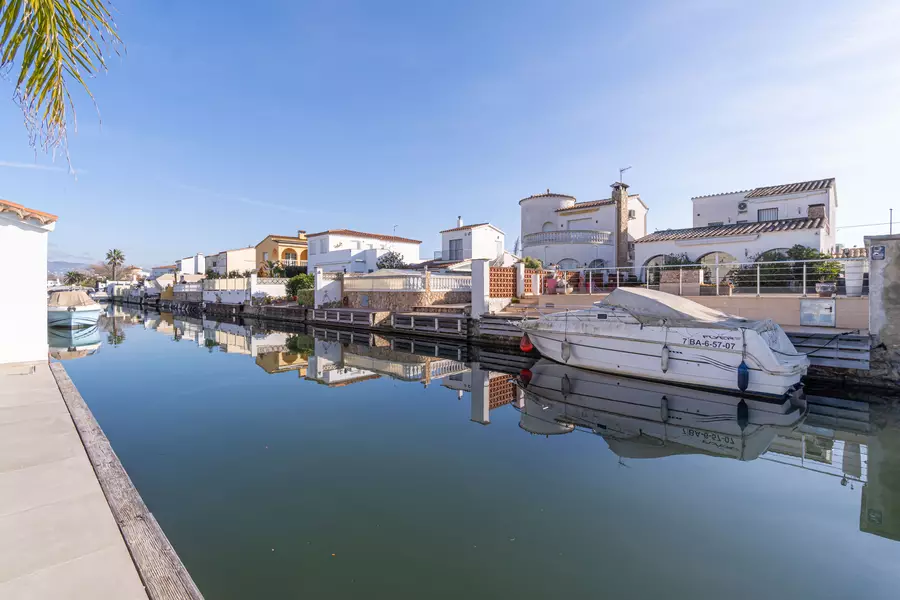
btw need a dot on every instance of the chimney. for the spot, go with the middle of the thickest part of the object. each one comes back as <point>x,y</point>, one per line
<point>459,222</point>
<point>815,211</point>
<point>620,197</point>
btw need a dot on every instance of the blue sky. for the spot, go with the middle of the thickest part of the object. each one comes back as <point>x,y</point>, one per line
<point>223,123</point>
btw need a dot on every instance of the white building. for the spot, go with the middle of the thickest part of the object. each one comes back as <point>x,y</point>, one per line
<point>739,226</point>
<point>163,270</point>
<point>355,251</point>
<point>23,266</point>
<point>467,242</point>
<point>239,259</point>
<point>558,230</point>
<point>191,265</point>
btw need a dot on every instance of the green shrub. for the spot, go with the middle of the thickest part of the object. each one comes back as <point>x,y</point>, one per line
<point>306,298</point>
<point>299,282</point>
<point>532,263</point>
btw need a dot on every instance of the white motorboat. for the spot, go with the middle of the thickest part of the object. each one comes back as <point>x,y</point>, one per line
<point>100,296</point>
<point>653,335</point>
<point>72,308</point>
<point>646,419</point>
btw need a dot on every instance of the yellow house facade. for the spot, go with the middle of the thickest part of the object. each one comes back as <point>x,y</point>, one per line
<point>290,251</point>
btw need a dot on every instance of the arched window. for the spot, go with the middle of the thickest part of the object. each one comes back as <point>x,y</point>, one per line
<point>597,263</point>
<point>568,264</point>
<point>548,226</point>
<point>725,262</point>
<point>289,258</point>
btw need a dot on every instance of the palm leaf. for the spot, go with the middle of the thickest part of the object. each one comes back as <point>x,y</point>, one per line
<point>54,43</point>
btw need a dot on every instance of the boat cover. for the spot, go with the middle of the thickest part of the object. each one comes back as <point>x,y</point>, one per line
<point>651,307</point>
<point>72,298</point>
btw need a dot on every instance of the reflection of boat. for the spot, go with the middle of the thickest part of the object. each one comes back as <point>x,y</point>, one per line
<point>654,335</point>
<point>68,344</point>
<point>643,419</point>
<point>72,308</point>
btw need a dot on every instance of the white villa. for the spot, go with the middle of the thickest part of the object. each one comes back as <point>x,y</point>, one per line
<point>191,265</point>
<point>558,230</point>
<point>355,251</point>
<point>23,260</point>
<point>239,259</point>
<point>468,242</point>
<point>157,271</point>
<point>738,226</point>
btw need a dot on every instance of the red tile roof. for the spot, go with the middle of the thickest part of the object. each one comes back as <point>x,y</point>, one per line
<point>777,190</point>
<point>27,213</point>
<point>593,203</point>
<point>732,230</point>
<point>374,236</point>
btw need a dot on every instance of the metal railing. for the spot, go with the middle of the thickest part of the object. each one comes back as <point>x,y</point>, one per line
<point>452,254</point>
<point>824,277</point>
<point>572,236</point>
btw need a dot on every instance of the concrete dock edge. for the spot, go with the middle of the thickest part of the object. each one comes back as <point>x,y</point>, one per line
<point>161,570</point>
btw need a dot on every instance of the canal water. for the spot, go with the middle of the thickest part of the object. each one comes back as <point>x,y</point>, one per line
<point>304,463</point>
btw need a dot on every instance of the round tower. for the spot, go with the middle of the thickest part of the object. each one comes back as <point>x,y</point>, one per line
<point>539,211</point>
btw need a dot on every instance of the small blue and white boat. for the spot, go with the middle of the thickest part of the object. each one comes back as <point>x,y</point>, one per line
<point>72,309</point>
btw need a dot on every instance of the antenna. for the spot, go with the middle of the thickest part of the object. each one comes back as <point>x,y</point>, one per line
<point>622,173</point>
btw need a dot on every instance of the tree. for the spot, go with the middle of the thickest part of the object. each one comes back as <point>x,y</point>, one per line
<point>391,260</point>
<point>73,278</point>
<point>115,258</point>
<point>532,263</point>
<point>299,282</point>
<point>55,42</point>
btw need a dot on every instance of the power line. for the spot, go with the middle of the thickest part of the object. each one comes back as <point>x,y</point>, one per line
<point>867,225</point>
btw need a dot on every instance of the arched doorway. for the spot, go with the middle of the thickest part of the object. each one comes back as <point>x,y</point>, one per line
<point>597,263</point>
<point>567,264</point>
<point>717,261</point>
<point>289,258</point>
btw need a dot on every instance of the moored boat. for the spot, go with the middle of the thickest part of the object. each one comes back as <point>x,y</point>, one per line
<point>653,335</point>
<point>72,308</point>
<point>646,419</point>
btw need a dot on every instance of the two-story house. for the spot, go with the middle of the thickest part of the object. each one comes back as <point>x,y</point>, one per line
<point>355,251</point>
<point>287,250</point>
<point>239,259</point>
<point>558,230</point>
<point>468,242</point>
<point>739,226</point>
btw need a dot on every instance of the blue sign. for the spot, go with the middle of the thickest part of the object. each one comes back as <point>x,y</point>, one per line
<point>877,252</point>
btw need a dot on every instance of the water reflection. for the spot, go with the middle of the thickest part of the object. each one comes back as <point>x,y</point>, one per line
<point>848,442</point>
<point>68,344</point>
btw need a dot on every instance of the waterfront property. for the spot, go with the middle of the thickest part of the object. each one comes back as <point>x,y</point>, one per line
<point>558,230</point>
<point>739,226</point>
<point>286,250</point>
<point>345,250</point>
<point>23,266</point>
<point>191,265</point>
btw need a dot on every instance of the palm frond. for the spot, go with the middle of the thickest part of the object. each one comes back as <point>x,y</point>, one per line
<point>54,42</point>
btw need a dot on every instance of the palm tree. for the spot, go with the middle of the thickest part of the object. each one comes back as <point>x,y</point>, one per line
<point>73,278</point>
<point>55,43</point>
<point>115,258</point>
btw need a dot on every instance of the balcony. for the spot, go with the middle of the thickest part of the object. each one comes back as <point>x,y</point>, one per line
<point>573,236</point>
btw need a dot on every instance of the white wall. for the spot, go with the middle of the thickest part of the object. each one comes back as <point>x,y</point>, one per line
<point>724,207</point>
<point>743,248</point>
<point>23,313</point>
<point>192,265</point>
<point>637,227</point>
<point>355,254</point>
<point>478,242</point>
<point>537,212</point>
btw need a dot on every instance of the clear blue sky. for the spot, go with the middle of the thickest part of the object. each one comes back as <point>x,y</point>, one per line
<point>226,122</point>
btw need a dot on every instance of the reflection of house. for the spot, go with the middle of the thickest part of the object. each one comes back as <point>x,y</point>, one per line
<point>239,259</point>
<point>355,251</point>
<point>281,361</point>
<point>558,230</point>
<point>23,263</point>
<point>879,512</point>
<point>288,250</point>
<point>738,226</point>
<point>327,367</point>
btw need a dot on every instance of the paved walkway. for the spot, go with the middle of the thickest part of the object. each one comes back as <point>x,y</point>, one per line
<point>58,538</point>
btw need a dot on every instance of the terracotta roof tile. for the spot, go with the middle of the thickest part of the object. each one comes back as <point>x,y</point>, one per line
<point>593,203</point>
<point>27,213</point>
<point>733,230</point>
<point>374,236</point>
<point>777,190</point>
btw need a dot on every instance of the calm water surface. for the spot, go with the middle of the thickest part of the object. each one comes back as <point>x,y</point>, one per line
<point>283,466</point>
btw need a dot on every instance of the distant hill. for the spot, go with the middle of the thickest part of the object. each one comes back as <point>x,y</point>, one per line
<point>61,267</point>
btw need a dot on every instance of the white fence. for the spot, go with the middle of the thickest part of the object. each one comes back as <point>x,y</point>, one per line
<point>187,287</point>
<point>413,282</point>
<point>231,283</point>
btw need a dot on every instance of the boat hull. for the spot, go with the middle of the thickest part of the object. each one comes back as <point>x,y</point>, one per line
<point>73,316</point>
<point>705,368</point>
